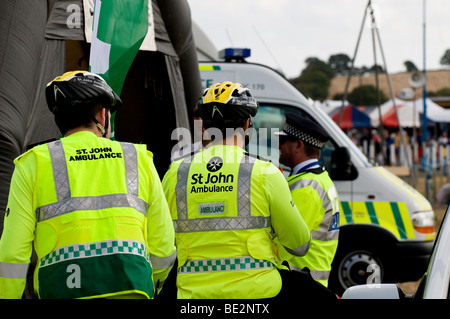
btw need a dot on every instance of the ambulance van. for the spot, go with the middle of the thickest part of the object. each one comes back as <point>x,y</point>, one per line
<point>387,228</point>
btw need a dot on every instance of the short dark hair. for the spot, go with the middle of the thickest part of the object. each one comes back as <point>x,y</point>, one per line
<point>311,150</point>
<point>79,116</point>
<point>226,128</point>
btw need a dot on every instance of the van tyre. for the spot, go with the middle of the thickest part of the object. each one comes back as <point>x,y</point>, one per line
<point>356,267</point>
<point>359,268</point>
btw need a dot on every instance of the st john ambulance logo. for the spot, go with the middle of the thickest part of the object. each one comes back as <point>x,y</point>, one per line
<point>214,164</point>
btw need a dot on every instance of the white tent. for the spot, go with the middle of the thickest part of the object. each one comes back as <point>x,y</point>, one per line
<point>409,112</point>
<point>435,112</point>
<point>408,115</point>
<point>385,107</point>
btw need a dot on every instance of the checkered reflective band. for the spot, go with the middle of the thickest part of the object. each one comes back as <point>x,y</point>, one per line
<point>302,135</point>
<point>224,264</point>
<point>101,248</point>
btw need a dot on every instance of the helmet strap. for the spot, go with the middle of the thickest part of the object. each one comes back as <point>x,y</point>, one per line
<point>248,133</point>
<point>106,123</point>
<point>100,127</point>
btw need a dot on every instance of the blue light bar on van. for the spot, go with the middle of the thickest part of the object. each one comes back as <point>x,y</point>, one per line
<point>234,53</point>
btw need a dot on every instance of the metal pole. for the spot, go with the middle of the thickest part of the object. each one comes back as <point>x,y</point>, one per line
<point>380,130</point>
<point>424,96</point>
<point>352,66</point>
<point>425,164</point>
<point>402,135</point>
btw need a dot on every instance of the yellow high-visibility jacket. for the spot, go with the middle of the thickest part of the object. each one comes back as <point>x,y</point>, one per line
<point>96,211</point>
<point>317,200</point>
<point>226,205</point>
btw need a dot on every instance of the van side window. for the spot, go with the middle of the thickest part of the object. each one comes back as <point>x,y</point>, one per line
<point>268,120</point>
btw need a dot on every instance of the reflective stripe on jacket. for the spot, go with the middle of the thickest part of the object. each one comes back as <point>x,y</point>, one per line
<point>224,204</point>
<point>316,198</point>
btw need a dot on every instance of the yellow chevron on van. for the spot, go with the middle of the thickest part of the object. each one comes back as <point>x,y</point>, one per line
<point>209,67</point>
<point>390,215</point>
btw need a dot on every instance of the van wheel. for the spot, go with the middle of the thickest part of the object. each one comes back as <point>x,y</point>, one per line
<point>357,267</point>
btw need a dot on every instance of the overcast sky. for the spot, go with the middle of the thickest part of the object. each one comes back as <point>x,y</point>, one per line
<point>283,33</point>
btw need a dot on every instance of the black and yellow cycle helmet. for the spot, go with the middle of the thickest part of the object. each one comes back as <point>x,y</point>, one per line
<point>77,88</point>
<point>226,104</point>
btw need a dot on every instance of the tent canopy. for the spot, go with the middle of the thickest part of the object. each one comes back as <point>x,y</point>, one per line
<point>352,117</point>
<point>409,116</point>
<point>374,113</point>
<point>435,112</point>
<point>409,112</point>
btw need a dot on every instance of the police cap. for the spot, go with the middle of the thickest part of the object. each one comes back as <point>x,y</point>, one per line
<point>305,130</point>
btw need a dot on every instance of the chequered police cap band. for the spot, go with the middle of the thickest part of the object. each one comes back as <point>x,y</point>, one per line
<point>302,135</point>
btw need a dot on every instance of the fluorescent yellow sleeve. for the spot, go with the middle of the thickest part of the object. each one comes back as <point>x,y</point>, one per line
<point>292,231</point>
<point>18,231</point>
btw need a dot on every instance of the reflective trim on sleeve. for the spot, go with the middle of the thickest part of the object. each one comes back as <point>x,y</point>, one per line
<point>325,235</point>
<point>67,204</point>
<point>316,274</point>
<point>299,251</point>
<point>244,220</point>
<point>13,270</point>
<point>163,262</point>
<point>320,274</point>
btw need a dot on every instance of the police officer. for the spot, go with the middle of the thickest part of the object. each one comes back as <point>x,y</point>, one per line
<point>94,207</point>
<point>225,203</point>
<point>313,192</point>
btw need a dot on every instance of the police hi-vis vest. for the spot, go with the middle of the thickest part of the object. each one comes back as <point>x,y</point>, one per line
<point>91,220</point>
<point>316,198</point>
<point>223,203</point>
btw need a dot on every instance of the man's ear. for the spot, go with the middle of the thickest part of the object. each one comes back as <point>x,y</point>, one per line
<point>299,145</point>
<point>101,116</point>
<point>246,124</point>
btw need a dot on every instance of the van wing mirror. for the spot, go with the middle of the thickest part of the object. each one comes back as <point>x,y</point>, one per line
<point>341,165</point>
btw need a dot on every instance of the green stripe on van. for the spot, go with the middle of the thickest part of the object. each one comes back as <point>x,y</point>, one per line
<point>372,214</point>
<point>347,212</point>
<point>398,220</point>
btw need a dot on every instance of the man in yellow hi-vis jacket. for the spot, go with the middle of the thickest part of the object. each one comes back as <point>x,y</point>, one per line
<point>313,192</point>
<point>226,204</point>
<point>95,208</point>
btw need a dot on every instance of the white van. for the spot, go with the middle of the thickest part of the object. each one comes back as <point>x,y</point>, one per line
<point>383,220</point>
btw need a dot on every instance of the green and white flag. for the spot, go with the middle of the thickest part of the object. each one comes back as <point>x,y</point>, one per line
<point>118,30</point>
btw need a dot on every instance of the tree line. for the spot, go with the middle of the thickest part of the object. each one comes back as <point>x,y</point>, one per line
<point>315,79</point>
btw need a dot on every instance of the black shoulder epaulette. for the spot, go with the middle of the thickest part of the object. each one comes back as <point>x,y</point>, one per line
<point>317,170</point>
